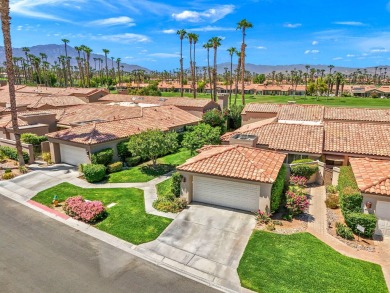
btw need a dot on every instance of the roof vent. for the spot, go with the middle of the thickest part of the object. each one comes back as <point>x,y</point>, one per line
<point>247,140</point>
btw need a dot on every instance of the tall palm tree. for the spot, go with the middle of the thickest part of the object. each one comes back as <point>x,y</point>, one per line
<point>118,63</point>
<point>181,34</point>
<point>231,51</point>
<point>106,51</point>
<point>5,26</point>
<point>208,46</point>
<point>195,38</point>
<point>238,70</point>
<point>306,75</point>
<point>243,25</point>
<point>87,51</point>
<point>189,37</point>
<point>216,42</point>
<point>65,41</point>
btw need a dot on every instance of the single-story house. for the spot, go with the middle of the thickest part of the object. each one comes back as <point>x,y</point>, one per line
<point>373,179</point>
<point>341,114</point>
<point>232,176</point>
<point>75,145</point>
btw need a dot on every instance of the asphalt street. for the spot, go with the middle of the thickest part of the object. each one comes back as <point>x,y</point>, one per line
<point>39,254</point>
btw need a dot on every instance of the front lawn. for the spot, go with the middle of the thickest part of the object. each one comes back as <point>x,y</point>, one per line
<point>126,220</point>
<point>164,189</point>
<point>145,172</point>
<point>302,263</point>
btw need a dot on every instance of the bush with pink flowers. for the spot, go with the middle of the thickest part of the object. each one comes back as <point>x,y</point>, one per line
<point>298,180</point>
<point>86,211</point>
<point>263,217</point>
<point>296,203</point>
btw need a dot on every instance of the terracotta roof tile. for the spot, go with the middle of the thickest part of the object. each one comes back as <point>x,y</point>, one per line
<point>357,114</point>
<point>301,112</point>
<point>262,108</point>
<point>237,162</point>
<point>372,176</point>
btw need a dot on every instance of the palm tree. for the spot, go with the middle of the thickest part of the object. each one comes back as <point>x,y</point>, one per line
<point>208,46</point>
<point>65,41</point>
<point>181,34</point>
<point>195,38</point>
<point>118,63</point>
<point>106,51</point>
<point>216,42</point>
<point>231,51</point>
<point>306,75</point>
<point>243,25</point>
<point>87,51</point>
<point>190,39</point>
<point>5,26</point>
<point>238,69</point>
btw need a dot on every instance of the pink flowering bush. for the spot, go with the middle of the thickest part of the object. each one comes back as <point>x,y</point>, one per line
<point>262,217</point>
<point>298,180</point>
<point>296,203</point>
<point>86,211</point>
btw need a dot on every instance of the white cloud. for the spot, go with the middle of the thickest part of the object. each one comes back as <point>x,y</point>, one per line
<point>312,52</point>
<point>212,15</point>
<point>314,43</point>
<point>350,23</point>
<point>121,20</point>
<point>338,58</point>
<point>19,28</point>
<point>211,29</point>
<point>126,38</point>
<point>164,55</point>
<point>292,25</point>
<point>350,55</point>
<point>379,50</point>
<point>169,31</point>
<point>261,48</point>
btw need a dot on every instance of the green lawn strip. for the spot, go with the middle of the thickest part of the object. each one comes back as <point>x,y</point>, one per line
<point>126,220</point>
<point>164,189</point>
<point>145,172</point>
<point>327,101</point>
<point>302,263</point>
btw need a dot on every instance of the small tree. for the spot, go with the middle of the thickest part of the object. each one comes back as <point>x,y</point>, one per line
<point>152,144</point>
<point>201,135</point>
<point>215,118</point>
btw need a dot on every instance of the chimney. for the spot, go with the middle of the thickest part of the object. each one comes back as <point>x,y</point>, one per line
<point>223,101</point>
<point>245,140</point>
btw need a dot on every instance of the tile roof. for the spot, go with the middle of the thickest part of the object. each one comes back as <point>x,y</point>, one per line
<point>164,118</point>
<point>262,108</point>
<point>372,176</point>
<point>6,122</point>
<point>357,114</point>
<point>357,138</point>
<point>301,112</point>
<point>238,162</point>
<point>55,101</point>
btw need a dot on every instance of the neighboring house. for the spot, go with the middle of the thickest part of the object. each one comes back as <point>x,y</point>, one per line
<point>254,112</point>
<point>75,145</point>
<point>341,114</point>
<point>373,179</point>
<point>232,176</point>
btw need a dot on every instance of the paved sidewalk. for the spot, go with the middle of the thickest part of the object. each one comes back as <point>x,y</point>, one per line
<point>317,227</point>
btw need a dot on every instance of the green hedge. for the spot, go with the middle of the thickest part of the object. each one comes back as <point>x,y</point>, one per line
<point>305,170</point>
<point>114,167</point>
<point>94,172</point>
<point>344,231</point>
<point>123,150</point>
<point>12,154</point>
<point>347,178</point>
<point>133,161</point>
<point>350,200</point>
<point>32,138</point>
<point>368,221</point>
<point>176,182</point>
<point>277,189</point>
<point>103,157</point>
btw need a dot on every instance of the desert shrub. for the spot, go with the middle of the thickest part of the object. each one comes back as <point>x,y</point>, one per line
<point>32,138</point>
<point>23,169</point>
<point>368,221</point>
<point>263,217</point>
<point>344,231</point>
<point>302,169</point>
<point>176,182</point>
<point>298,180</point>
<point>350,200</point>
<point>86,211</point>
<point>331,189</point>
<point>278,189</point>
<point>8,175</point>
<point>46,157</point>
<point>123,150</point>
<point>170,206</point>
<point>94,172</point>
<point>13,154</point>
<point>332,201</point>
<point>103,157</point>
<point>270,226</point>
<point>296,203</point>
<point>114,167</point>
<point>133,161</point>
<point>346,178</point>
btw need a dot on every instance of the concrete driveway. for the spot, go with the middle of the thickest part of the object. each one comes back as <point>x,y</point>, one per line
<point>207,238</point>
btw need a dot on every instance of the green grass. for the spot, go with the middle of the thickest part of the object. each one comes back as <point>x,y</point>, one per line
<point>145,172</point>
<point>302,263</point>
<point>126,220</point>
<point>164,189</point>
<point>327,101</point>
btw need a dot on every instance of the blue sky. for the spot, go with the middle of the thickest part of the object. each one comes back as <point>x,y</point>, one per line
<point>143,32</point>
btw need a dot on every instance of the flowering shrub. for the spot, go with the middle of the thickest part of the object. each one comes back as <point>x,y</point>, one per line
<point>298,180</point>
<point>86,211</point>
<point>296,203</point>
<point>262,217</point>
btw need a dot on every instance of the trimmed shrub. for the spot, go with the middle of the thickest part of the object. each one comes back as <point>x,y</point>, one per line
<point>263,217</point>
<point>346,178</point>
<point>368,221</point>
<point>23,169</point>
<point>350,200</point>
<point>8,175</point>
<point>114,167</point>
<point>298,180</point>
<point>103,157</point>
<point>133,161</point>
<point>123,150</point>
<point>332,201</point>
<point>331,189</point>
<point>296,203</point>
<point>305,170</point>
<point>344,231</point>
<point>170,206</point>
<point>278,189</point>
<point>46,157</point>
<point>12,154</point>
<point>32,138</point>
<point>94,172</point>
<point>175,185</point>
<point>86,211</point>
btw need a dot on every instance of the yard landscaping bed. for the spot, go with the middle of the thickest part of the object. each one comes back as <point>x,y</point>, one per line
<point>127,219</point>
<point>301,263</point>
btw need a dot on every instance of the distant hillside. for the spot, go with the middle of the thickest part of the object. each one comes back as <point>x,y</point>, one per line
<point>53,51</point>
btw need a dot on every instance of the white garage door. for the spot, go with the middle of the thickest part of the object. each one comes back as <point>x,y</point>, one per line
<point>226,193</point>
<point>383,215</point>
<point>73,155</point>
